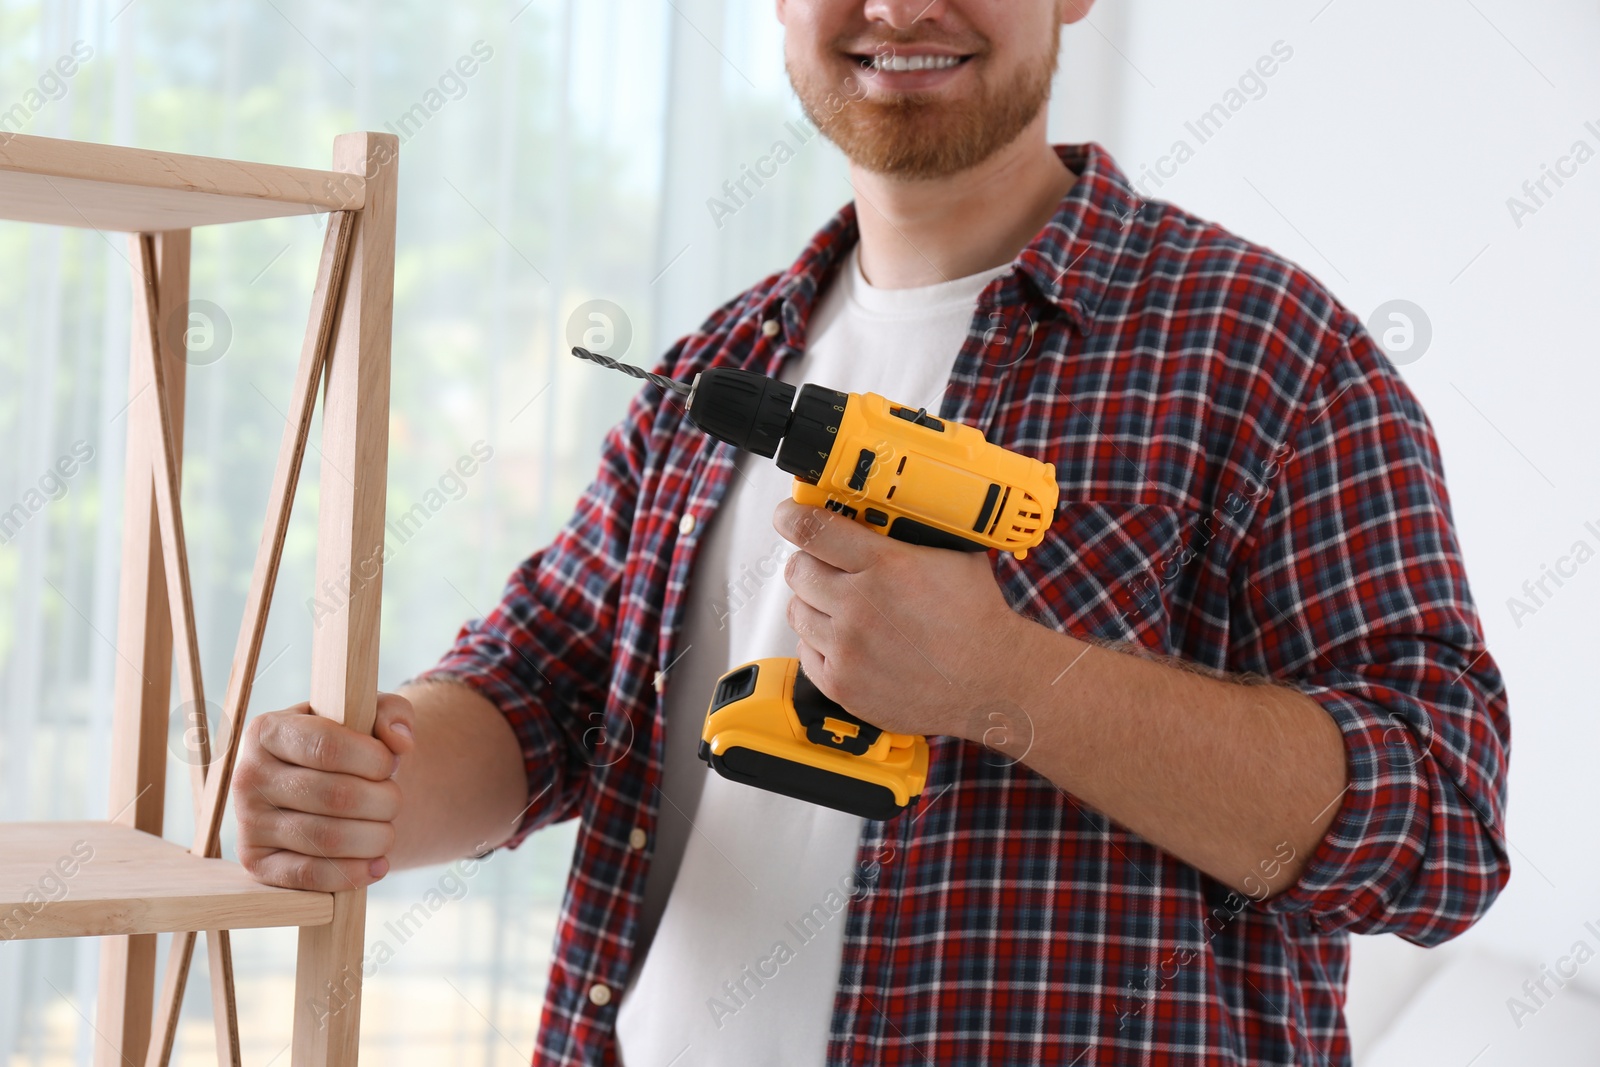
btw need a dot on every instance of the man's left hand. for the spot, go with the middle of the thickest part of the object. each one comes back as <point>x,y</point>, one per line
<point>912,639</point>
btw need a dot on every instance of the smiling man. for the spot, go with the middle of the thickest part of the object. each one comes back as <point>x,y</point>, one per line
<point>1235,708</point>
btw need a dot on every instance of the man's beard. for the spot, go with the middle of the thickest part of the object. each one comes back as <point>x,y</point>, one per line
<point>915,136</point>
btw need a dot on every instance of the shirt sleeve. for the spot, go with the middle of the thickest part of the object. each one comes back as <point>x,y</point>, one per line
<point>1352,590</point>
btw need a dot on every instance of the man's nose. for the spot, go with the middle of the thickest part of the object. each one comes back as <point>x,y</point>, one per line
<point>902,14</point>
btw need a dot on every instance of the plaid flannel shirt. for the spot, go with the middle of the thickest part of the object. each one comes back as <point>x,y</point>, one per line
<point>1246,484</point>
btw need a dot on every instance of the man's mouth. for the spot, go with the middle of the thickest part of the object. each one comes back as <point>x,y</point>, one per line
<point>895,62</point>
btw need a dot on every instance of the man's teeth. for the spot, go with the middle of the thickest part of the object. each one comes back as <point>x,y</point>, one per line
<point>891,62</point>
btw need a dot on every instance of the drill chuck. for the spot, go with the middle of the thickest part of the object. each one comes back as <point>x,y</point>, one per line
<point>769,417</point>
<point>747,410</point>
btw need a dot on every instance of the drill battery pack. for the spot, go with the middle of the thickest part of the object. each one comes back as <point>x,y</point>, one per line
<point>770,726</point>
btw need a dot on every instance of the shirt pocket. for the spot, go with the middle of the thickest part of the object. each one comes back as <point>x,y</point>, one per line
<point>1107,569</point>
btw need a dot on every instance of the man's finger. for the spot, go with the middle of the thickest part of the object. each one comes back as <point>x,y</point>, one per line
<point>810,625</point>
<point>827,535</point>
<point>822,585</point>
<point>321,835</point>
<point>295,870</point>
<point>308,740</point>
<point>343,796</point>
<point>393,724</point>
<point>815,664</point>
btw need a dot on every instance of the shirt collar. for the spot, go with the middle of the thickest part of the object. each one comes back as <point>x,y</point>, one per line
<point>1070,262</point>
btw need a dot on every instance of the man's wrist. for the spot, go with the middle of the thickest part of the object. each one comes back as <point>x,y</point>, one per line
<point>1006,717</point>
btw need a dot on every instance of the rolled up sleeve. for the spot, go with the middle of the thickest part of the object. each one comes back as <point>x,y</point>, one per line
<point>1353,591</point>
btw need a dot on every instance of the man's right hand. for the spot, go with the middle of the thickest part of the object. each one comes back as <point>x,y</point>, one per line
<point>316,801</point>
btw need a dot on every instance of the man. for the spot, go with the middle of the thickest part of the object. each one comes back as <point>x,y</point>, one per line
<point>1235,707</point>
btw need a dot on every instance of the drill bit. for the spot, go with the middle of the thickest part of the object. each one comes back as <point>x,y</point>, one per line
<point>681,388</point>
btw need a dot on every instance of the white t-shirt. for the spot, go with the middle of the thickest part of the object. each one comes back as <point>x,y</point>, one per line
<point>730,975</point>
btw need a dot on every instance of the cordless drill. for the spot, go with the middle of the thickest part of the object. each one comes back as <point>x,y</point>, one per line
<point>902,473</point>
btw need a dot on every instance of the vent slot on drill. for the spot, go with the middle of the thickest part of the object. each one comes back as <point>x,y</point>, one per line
<point>1000,511</point>
<point>1028,519</point>
<point>988,508</point>
<point>733,687</point>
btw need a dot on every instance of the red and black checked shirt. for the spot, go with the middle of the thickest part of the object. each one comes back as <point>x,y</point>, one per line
<point>1246,483</point>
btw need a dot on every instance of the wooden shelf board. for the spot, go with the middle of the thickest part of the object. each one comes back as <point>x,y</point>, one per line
<point>109,187</point>
<point>131,883</point>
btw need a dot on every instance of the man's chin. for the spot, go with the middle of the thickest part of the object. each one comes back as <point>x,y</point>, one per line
<point>926,133</point>
<point>911,138</point>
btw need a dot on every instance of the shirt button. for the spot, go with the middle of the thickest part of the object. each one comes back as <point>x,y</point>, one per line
<point>686,524</point>
<point>638,838</point>
<point>770,327</point>
<point>600,994</point>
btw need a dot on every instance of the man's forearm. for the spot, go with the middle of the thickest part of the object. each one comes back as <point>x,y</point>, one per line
<point>1238,780</point>
<point>464,783</point>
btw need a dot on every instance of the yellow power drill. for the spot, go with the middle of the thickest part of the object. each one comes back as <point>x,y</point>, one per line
<point>904,474</point>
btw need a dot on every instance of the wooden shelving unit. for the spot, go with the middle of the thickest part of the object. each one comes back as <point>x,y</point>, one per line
<point>127,883</point>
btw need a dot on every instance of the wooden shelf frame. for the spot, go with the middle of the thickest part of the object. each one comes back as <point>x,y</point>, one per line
<point>120,880</point>
<point>124,882</point>
<point>109,187</point>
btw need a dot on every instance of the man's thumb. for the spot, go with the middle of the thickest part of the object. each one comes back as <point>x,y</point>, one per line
<point>393,725</point>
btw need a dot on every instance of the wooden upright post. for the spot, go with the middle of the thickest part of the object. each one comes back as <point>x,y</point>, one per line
<point>344,654</point>
<point>143,681</point>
